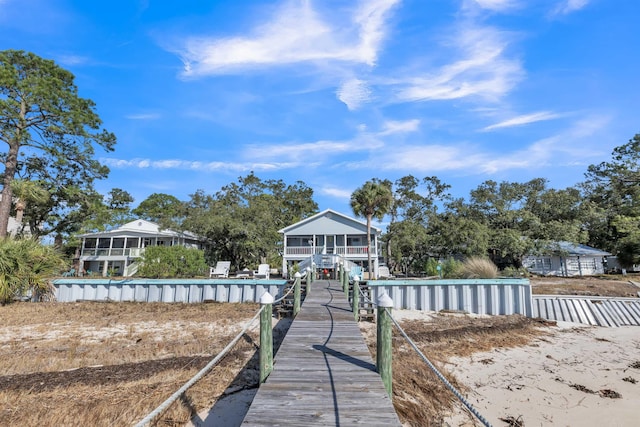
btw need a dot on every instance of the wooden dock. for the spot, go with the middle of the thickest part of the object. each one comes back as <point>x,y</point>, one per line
<point>323,372</point>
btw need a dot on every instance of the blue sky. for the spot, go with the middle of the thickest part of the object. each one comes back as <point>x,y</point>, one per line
<point>334,93</point>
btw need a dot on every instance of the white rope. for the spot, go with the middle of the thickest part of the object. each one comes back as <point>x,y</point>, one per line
<point>285,295</point>
<point>164,405</point>
<point>439,375</point>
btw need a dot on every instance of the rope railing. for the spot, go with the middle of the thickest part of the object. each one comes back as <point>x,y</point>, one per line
<point>284,296</point>
<point>431,366</point>
<point>435,370</point>
<point>175,396</point>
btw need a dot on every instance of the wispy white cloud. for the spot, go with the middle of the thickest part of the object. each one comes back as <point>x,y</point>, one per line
<point>366,152</point>
<point>482,69</point>
<point>391,127</point>
<point>496,5</point>
<point>175,164</point>
<point>296,33</point>
<point>570,145</point>
<point>70,60</point>
<point>314,150</point>
<point>524,119</point>
<point>566,7</point>
<point>354,93</point>
<point>143,116</point>
<point>340,193</point>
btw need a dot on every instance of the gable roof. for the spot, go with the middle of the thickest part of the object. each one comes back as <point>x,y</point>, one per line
<point>326,217</point>
<point>576,249</point>
<point>140,227</point>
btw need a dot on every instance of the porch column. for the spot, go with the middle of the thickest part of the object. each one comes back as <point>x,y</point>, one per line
<point>105,268</point>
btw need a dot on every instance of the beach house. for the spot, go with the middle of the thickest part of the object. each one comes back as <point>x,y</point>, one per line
<point>327,238</point>
<point>567,259</point>
<point>116,252</point>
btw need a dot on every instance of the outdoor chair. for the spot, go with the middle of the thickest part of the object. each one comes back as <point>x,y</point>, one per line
<point>221,270</point>
<point>262,272</point>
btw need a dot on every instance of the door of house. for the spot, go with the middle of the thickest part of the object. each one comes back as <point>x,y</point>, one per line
<point>330,244</point>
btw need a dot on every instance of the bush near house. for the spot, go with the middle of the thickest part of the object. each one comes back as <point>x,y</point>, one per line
<point>172,262</point>
<point>26,265</point>
<point>450,268</point>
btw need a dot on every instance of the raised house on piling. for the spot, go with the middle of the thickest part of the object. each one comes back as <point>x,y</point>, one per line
<point>329,237</point>
<point>116,252</point>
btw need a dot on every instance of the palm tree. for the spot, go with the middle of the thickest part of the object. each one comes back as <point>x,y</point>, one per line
<point>372,200</point>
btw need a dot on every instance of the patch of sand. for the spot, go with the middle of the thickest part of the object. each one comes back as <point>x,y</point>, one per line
<point>577,376</point>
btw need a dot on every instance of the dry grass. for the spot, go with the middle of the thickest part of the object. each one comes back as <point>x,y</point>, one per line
<point>419,397</point>
<point>479,268</point>
<point>610,286</point>
<point>111,363</point>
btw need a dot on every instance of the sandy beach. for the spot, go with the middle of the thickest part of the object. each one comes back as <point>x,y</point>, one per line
<point>577,376</point>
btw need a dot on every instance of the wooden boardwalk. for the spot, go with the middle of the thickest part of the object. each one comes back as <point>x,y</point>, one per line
<point>323,372</point>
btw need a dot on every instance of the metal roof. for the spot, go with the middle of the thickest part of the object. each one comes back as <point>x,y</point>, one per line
<point>328,213</point>
<point>577,249</point>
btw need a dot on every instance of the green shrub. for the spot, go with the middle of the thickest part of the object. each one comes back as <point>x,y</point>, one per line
<point>515,272</point>
<point>172,262</point>
<point>479,268</point>
<point>26,265</point>
<point>431,267</point>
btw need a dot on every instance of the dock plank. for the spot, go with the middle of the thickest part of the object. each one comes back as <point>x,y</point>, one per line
<point>323,373</point>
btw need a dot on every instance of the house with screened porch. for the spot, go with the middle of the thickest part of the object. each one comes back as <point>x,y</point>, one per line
<point>327,239</point>
<point>117,252</point>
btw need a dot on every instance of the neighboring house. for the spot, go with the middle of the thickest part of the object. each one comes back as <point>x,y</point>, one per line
<point>329,236</point>
<point>117,251</point>
<point>567,259</point>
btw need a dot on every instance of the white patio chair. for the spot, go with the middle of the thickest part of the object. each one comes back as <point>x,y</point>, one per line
<point>262,272</point>
<point>221,270</point>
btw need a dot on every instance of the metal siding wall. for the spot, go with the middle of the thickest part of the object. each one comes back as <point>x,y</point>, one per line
<point>173,291</point>
<point>479,298</point>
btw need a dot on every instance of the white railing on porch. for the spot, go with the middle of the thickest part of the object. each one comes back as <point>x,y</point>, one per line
<point>339,250</point>
<point>132,252</point>
<point>352,250</point>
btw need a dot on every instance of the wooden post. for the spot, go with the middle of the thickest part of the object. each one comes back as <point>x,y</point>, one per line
<point>266,337</point>
<point>296,293</point>
<point>384,346</point>
<point>356,298</point>
<point>345,283</point>
<point>308,282</point>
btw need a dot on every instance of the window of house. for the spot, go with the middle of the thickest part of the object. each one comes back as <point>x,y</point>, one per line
<point>354,241</point>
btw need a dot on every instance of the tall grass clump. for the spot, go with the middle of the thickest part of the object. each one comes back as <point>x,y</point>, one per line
<point>26,265</point>
<point>479,268</point>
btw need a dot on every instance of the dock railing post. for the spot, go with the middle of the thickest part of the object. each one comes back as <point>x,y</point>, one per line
<point>345,283</point>
<point>313,271</point>
<point>308,282</point>
<point>266,336</point>
<point>296,293</point>
<point>384,342</point>
<point>356,298</point>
